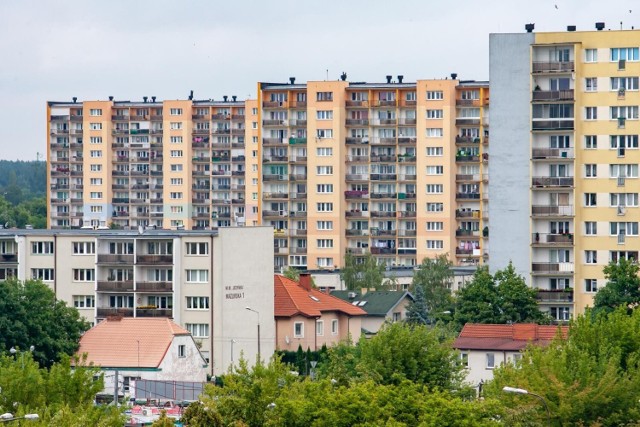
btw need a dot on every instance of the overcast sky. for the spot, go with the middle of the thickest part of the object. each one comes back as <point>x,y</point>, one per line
<point>54,50</point>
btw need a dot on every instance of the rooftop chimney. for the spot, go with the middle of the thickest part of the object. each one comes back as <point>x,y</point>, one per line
<point>529,27</point>
<point>111,98</point>
<point>599,26</point>
<point>292,80</point>
<point>145,99</point>
<point>389,79</point>
<point>225,98</point>
<point>571,27</point>
<point>234,97</point>
<point>75,98</point>
<point>153,99</point>
<point>400,78</point>
<point>343,76</point>
<point>454,76</point>
<point>305,281</point>
<point>191,96</point>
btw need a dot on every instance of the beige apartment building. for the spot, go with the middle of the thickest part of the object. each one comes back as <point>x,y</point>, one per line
<point>396,169</point>
<point>197,278</point>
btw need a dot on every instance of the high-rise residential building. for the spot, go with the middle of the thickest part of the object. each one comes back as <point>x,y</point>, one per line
<point>396,169</point>
<point>199,279</point>
<point>564,193</point>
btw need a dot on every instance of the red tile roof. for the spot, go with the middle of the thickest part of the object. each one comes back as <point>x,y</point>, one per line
<point>292,299</point>
<point>114,343</point>
<point>477,336</point>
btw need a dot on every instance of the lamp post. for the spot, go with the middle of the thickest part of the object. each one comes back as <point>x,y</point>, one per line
<point>232,343</point>
<point>508,389</point>
<point>257,313</point>
<point>8,417</point>
<point>13,350</point>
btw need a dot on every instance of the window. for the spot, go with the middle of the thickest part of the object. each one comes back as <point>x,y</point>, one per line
<point>298,330</point>
<point>95,181</point>
<point>325,243</point>
<point>435,170</point>
<point>435,151</point>
<point>624,53</point>
<point>434,95</point>
<point>435,188</point>
<point>623,199</point>
<point>591,285</point>
<point>464,359</point>
<point>591,142</point>
<point>491,360</point>
<point>254,125</point>
<point>95,112</point>
<point>590,170</point>
<point>182,350</point>
<point>590,228</point>
<point>44,274</point>
<point>334,327</point>
<point>591,55</point>
<point>434,114</point>
<point>84,275</point>
<point>325,262</point>
<point>324,133</point>
<point>198,330</point>
<point>324,114</point>
<point>176,181</point>
<point>176,153</point>
<point>319,328</point>
<point>324,151</point>
<point>83,248</point>
<point>42,248</point>
<point>324,188</point>
<point>591,113</point>
<point>197,248</point>
<point>197,276</point>
<point>623,170</point>
<point>96,195</point>
<point>623,141</point>
<point>96,168</point>
<point>175,125</point>
<point>254,111</point>
<point>175,195</point>
<point>84,301</point>
<point>325,225</point>
<point>95,153</point>
<point>176,209</point>
<point>434,132</point>
<point>197,303</point>
<point>626,228</point>
<point>435,244</point>
<point>624,83</point>
<point>435,226</point>
<point>95,126</point>
<point>96,209</point>
<point>324,207</point>
<point>324,96</point>
<point>435,207</point>
<point>175,111</point>
<point>590,199</point>
<point>590,257</point>
<point>95,140</point>
<point>624,112</point>
<point>560,313</point>
<point>324,170</point>
<point>591,84</point>
<point>176,140</point>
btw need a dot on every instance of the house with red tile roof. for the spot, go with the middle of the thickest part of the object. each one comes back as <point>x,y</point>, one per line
<point>143,348</point>
<point>309,318</point>
<point>484,347</point>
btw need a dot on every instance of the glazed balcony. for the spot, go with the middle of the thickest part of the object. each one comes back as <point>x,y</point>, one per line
<point>542,268</point>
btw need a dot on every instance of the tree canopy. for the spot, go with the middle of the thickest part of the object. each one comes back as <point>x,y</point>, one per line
<point>433,278</point>
<point>622,288</point>
<point>364,273</point>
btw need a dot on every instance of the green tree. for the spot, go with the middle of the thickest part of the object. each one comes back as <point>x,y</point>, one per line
<point>291,273</point>
<point>199,415</point>
<point>591,378</point>
<point>360,273</point>
<point>30,315</point>
<point>434,276</point>
<point>622,288</point>
<point>417,312</point>
<point>163,420</point>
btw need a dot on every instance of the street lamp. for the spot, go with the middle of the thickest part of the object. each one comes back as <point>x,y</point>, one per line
<point>232,343</point>
<point>13,350</point>
<point>8,417</point>
<point>508,389</point>
<point>258,313</point>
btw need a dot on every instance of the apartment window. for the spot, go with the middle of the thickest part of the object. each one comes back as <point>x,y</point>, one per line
<point>176,181</point>
<point>95,181</point>
<point>591,285</point>
<point>626,228</point>
<point>175,125</point>
<point>325,188</point>
<point>591,55</point>
<point>324,207</point>
<point>95,140</point>
<point>324,114</point>
<point>324,151</point>
<point>324,96</point>
<point>83,248</point>
<point>298,330</point>
<point>623,199</point>
<point>254,111</point>
<point>197,248</point>
<point>44,274</point>
<point>590,257</point>
<point>324,133</point>
<point>175,111</point>
<point>182,351</point>
<point>95,195</point>
<point>591,84</point>
<point>84,301</point>
<point>324,170</point>
<point>324,243</point>
<point>560,313</point>
<point>325,262</point>
<point>95,153</point>
<point>435,170</point>
<point>491,360</point>
<point>590,171</point>
<point>591,142</point>
<point>42,248</point>
<point>590,199</point>
<point>175,195</point>
<point>435,151</point>
<point>624,112</point>
<point>198,330</point>
<point>590,228</point>
<point>435,207</point>
<point>197,303</point>
<point>623,170</point>
<point>434,95</point>
<point>319,328</point>
<point>591,113</point>
<point>176,153</point>
<point>95,126</point>
<point>435,188</point>
<point>435,225</point>
<point>175,140</point>
<point>624,83</point>
<point>95,112</point>
<point>334,327</point>
<point>197,276</point>
<point>624,53</point>
<point>435,244</point>
<point>624,141</point>
<point>324,225</point>
<point>95,209</point>
<point>434,114</point>
<point>84,275</point>
<point>434,132</point>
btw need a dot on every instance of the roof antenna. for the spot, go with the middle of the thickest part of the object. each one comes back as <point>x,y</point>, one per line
<point>327,74</point>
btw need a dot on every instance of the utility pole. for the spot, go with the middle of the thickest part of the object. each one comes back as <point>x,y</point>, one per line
<point>115,389</point>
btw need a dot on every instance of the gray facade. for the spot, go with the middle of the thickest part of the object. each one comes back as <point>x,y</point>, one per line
<point>509,76</point>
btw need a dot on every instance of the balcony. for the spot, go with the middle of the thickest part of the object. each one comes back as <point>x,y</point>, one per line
<point>383,177</point>
<point>551,181</point>
<point>124,312</point>
<point>8,258</point>
<point>154,312</point>
<point>552,124</point>
<point>551,296</point>
<point>383,141</point>
<point>275,196</point>
<point>357,251</point>
<point>467,233</point>
<point>468,122</point>
<point>467,196</point>
<point>274,123</point>
<point>407,140</point>
<point>267,142</point>
<point>115,259</point>
<point>549,239</point>
<point>468,103</point>
<point>359,103</point>
<point>406,233</point>
<point>154,259</point>
<point>551,211</point>
<point>552,95</point>
<point>384,195</point>
<point>356,194</point>
<point>552,268</point>
<point>272,158</point>
<point>375,158</point>
<point>297,141</point>
<point>355,232</point>
<point>357,122</point>
<point>355,213</point>
<point>382,214</point>
<point>460,214</point>
<point>383,251</point>
<point>357,140</point>
<point>115,286</point>
<point>406,158</point>
<point>551,153</point>
<point>364,159</point>
<point>154,286</point>
<point>467,158</point>
<point>552,67</point>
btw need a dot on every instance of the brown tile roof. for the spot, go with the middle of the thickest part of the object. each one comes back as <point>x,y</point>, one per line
<point>292,298</point>
<point>515,337</point>
<point>114,343</point>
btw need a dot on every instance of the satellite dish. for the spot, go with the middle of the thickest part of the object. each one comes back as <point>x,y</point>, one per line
<point>140,229</point>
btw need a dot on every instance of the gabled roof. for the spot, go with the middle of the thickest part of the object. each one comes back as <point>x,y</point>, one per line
<point>292,298</point>
<point>375,303</point>
<point>514,337</point>
<point>114,343</point>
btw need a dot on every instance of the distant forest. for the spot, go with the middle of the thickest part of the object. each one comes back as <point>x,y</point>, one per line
<point>23,193</point>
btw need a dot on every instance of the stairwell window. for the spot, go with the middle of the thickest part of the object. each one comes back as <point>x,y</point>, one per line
<point>324,96</point>
<point>433,95</point>
<point>324,133</point>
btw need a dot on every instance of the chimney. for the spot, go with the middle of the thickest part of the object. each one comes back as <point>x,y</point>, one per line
<point>599,26</point>
<point>191,96</point>
<point>225,98</point>
<point>571,27</point>
<point>292,80</point>
<point>400,78</point>
<point>389,79</point>
<point>454,76</point>
<point>343,76</point>
<point>75,98</point>
<point>529,27</point>
<point>153,99</point>
<point>145,99</point>
<point>111,98</point>
<point>305,281</point>
<point>234,97</point>
<point>363,291</point>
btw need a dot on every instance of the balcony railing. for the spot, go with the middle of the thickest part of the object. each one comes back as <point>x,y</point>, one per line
<point>125,312</point>
<point>115,259</point>
<point>552,268</point>
<point>552,153</point>
<point>552,67</point>
<point>552,239</point>
<point>560,295</point>
<point>552,124</point>
<point>356,194</point>
<point>552,95</point>
<point>154,259</point>
<point>552,181</point>
<point>154,286</point>
<point>8,258</point>
<point>115,286</point>
<point>154,312</point>
<point>547,210</point>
